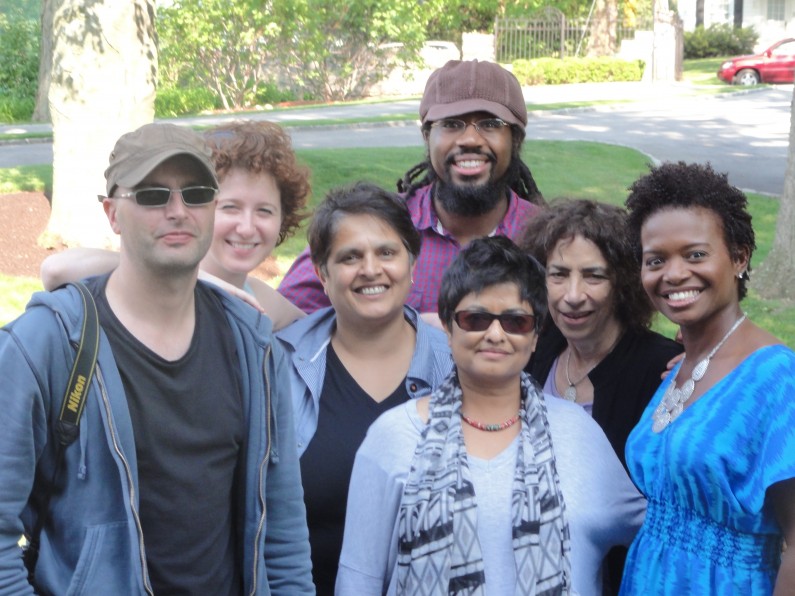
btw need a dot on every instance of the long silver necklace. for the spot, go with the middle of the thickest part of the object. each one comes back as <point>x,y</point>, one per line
<point>673,402</point>
<point>571,391</point>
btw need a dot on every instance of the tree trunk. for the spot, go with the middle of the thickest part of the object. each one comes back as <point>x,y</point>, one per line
<point>699,13</point>
<point>738,14</point>
<point>41,113</point>
<point>603,40</point>
<point>774,278</point>
<point>104,70</point>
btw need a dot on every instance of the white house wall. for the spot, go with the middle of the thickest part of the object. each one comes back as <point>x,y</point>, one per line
<point>754,15</point>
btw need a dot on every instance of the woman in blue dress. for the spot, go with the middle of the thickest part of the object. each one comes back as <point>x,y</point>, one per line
<point>714,452</point>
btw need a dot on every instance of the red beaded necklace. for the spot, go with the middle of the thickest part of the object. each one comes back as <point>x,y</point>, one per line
<point>490,427</point>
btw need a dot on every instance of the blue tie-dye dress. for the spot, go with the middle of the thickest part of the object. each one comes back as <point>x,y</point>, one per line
<point>709,528</point>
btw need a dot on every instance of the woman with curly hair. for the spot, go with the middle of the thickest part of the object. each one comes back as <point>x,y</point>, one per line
<point>261,196</point>
<point>714,452</point>
<point>595,348</point>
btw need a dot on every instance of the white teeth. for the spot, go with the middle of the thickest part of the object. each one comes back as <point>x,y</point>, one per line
<point>242,245</point>
<point>371,290</point>
<point>469,164</point>
<point>683,295</point>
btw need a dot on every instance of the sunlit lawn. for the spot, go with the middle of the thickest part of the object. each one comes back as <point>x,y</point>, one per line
<point>561,168</point>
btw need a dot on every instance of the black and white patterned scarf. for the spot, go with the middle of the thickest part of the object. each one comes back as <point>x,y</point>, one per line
<point>438,548</point>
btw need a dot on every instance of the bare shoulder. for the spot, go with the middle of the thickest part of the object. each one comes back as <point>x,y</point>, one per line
<point>756,338</point>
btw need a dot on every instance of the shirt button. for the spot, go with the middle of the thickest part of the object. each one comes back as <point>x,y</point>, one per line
<point>413,387</point>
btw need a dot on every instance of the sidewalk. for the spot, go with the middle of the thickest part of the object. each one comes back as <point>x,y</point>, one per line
<point>542,94</point>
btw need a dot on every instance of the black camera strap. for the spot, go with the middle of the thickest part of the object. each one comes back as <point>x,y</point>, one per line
<point>67,427</point>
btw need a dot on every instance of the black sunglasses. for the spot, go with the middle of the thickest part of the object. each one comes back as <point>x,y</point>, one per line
<point>192,196</point>
<point>476,320</point>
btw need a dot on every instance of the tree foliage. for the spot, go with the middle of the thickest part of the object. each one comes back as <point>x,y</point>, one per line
<point>19,54</point>
<point>454,17</point>
<point>316,48</point>
<point>27,9</point>
<point>218,44</point>
<point>337,50</point>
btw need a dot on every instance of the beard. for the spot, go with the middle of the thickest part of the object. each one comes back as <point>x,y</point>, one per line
<point>469,200</point>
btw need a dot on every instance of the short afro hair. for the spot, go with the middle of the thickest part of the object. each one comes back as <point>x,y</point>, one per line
<point>687,186</point>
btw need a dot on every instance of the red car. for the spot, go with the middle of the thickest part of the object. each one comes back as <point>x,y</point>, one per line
<point>775,65</point>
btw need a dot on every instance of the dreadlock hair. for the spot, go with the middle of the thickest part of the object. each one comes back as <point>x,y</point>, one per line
<point>518,176</point>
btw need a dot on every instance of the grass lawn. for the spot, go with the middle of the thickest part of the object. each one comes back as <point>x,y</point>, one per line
<point>603,172</point>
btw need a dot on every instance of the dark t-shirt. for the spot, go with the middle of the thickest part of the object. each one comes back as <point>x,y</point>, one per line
<point>346,412</point>
<point>187,418</point>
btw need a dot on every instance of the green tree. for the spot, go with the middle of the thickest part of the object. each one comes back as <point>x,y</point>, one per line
<point>28,9</point>
<point>774,278</point>
<point>451,18</point>
<point>220,44</point>
<point>337,50</point>
<point>104,67</point>
<point>19,54</point>
<point>318,48</point>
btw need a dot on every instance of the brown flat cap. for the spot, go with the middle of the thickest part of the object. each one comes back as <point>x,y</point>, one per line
<point>461,87</point>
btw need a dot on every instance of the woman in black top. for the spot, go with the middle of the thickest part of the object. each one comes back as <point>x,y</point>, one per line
<point>595,347</point>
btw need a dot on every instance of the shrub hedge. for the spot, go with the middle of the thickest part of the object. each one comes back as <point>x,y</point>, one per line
<point>719,40</point>
<point>14,108</point>
<point>175,101</point>
<point>554,71</point>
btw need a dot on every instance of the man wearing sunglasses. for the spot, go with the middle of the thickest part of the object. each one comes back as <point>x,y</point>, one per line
<point>472,183</point>
<point>184,477</point>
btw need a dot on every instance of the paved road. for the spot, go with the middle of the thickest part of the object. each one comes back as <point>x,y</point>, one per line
<point>744,134</point>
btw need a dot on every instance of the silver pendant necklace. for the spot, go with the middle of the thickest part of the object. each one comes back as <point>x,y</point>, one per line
<point>673,402</point>
<point>571,391</point>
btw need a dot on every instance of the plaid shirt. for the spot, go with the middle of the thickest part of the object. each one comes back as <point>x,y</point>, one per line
<point>302,287</point>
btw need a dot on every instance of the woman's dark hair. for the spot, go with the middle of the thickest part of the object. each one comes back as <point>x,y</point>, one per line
<point>688,186</point>
<point>263,147</point>
<point>605,226</point>
<point>518,176</point>
<point>487,262</point>
<point>361,198</point>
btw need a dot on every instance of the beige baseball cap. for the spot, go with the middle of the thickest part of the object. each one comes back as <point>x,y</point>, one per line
<point>139,152</point>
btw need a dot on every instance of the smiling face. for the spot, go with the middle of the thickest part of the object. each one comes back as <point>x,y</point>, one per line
<point>579,291</point>
<point>492,356</point>
<point>247,222</point>
<point>687,270</point>
<point>368,272</point>
<point>470,165</point>
<point>168,240</point>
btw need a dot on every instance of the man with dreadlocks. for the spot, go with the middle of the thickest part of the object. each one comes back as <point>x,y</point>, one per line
<point>471,184</point>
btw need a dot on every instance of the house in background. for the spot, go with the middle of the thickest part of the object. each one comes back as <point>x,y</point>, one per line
<point>772,19</point>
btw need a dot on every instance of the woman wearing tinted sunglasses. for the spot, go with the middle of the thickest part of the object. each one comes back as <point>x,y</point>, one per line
<point>486,487</point>
<point>262,191</point>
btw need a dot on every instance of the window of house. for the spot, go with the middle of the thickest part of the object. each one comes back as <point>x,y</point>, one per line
<point>775,10</point>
